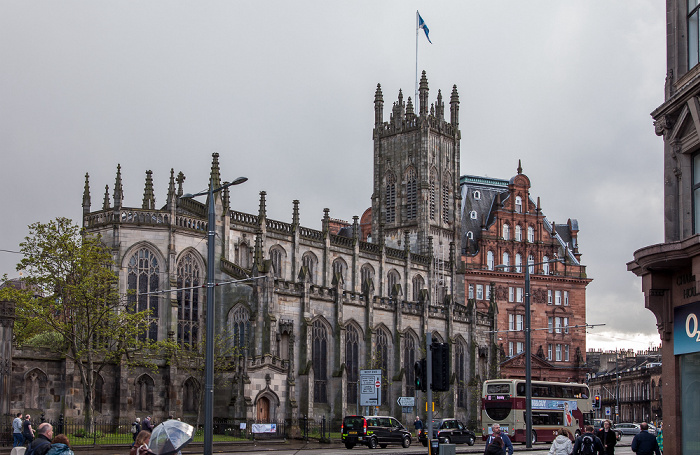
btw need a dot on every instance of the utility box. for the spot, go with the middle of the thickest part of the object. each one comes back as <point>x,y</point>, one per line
<point>433,447</point>
<point>447,449</point>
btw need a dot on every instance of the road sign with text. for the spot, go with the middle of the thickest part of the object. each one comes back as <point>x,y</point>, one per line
<point>370,387</point>
<point>406,401</point>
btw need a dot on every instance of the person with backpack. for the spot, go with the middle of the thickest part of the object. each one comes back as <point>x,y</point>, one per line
<point>588,443</point>
<point>136,428</point>
<point>644,443</point>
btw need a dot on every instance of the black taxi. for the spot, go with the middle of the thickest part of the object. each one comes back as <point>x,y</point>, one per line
<point>374,431</point>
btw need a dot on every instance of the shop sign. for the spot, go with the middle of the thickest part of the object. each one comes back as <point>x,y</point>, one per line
<point>686,328</point>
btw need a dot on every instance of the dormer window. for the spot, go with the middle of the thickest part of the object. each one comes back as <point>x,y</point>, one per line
<point>518,204</point>
<point>472,214</point>
<point>477,195</point>
<point>470,235</point>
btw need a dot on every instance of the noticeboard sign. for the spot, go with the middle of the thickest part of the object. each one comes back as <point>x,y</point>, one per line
<point>370,387</point>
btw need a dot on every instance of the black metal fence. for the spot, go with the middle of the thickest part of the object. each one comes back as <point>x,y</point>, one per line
<point>118,432</point>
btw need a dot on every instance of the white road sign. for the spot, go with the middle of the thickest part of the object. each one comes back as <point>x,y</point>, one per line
<point>406,401</point>
<point>370,387</point>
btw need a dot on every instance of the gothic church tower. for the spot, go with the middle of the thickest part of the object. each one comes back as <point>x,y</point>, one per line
<point>416,173</point>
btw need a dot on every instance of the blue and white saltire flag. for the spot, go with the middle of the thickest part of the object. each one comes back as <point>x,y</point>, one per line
<point>421,24</point>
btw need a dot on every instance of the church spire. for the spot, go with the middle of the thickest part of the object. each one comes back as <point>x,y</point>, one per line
<point>440,107</point>
<point>118,189</point>
<point>423,95</point>
<point>520,168</point>
<point>378,106</point>
<point>86,195</point>
<point>215,175</point>
<point>454,107</point>
<point>105,201</point>
<point>149,199</point>
<point>171,190</point>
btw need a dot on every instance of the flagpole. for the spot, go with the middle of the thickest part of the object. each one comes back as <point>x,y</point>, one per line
<point>415,95</point>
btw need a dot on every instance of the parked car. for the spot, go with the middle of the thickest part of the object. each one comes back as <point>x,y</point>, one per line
<point>627,428</point>
<point>598,425</point>
<point>373,431</point>
<point>448,431</point>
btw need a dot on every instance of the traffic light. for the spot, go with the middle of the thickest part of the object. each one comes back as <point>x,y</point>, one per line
<point>596,402</point>
<point>441,367</point>
<point>420,371</point>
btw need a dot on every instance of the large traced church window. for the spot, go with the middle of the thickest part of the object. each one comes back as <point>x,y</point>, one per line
<point>239,328</point>
<point>411,194</point>
<point>143,277</point>
<point>319,353</point>
<point>460,361</point>
<point>189,300</point>
<point>390,196</point>
<point>409,358</point>
<point>352,361</point>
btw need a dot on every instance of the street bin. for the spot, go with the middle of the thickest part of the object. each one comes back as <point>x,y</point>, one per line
<point>447,449</point>
<point>433,447</point>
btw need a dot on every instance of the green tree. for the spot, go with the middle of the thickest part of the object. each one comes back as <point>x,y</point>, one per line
<point>72,296</point>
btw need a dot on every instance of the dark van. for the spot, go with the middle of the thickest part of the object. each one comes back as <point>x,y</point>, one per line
<point>374,431</point>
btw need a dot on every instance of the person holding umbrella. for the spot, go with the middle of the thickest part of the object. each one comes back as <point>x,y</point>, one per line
<point>170,436</point>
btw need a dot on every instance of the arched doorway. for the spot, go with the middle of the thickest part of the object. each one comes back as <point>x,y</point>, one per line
<point>263,410</point>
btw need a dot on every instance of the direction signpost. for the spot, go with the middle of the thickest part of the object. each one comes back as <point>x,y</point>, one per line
<point>370,387</point>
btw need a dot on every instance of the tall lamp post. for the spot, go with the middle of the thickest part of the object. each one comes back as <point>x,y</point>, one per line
<point>209,358</point>
<point>528,349</point>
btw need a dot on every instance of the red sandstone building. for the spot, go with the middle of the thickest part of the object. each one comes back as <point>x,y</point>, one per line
<point>504,231</point>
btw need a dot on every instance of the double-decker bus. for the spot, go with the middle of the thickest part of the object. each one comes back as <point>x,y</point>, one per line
<point>554,405</point>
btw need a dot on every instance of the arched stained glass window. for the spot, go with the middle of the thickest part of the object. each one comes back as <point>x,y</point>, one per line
<point>143,278</point>
<point>189,304</point>
<point>352,362</point>
<point>319,353</point>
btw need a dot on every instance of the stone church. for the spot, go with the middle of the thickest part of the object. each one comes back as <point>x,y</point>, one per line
<point>305,309</point>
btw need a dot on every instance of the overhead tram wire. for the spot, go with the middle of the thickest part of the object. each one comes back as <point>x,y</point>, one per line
<point>560,328</point>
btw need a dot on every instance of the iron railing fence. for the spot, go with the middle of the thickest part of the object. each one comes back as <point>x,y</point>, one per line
<point>118,432</point>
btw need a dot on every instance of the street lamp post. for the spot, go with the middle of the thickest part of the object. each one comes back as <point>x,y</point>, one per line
<point>209,343</point>
<point>528,351</point>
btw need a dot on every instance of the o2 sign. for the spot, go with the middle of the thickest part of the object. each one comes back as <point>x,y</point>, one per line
<point>686,329</point>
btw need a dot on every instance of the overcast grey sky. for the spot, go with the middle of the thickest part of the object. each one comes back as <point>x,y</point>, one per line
<point>284,92</point>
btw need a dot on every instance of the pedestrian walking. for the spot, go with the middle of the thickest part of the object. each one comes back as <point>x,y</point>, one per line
<point>495,447</point>
<point>147,424</point>
<point>27,430</point>
<point>562,444</point>
<point>419,425</point>
<point>588,443</point>
<point>496,432</point>
<point>660,436</point>
<point>42,443</point>
<point>644,443</point>
<point>141,444</point>
<point>136,428</point>
<point>608,437</point>
<point>17,438</point>
<point>60,446</point>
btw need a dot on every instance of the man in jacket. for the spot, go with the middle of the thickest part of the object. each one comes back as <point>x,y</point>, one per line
<point>496,429</point>
<point>644,443</point>
<point>608,437</point>
<point>18,439</point>
<point>42,443</point>
<point>588,443</point>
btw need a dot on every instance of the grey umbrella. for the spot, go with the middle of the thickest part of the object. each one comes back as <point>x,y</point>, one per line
<point>170,436</point>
